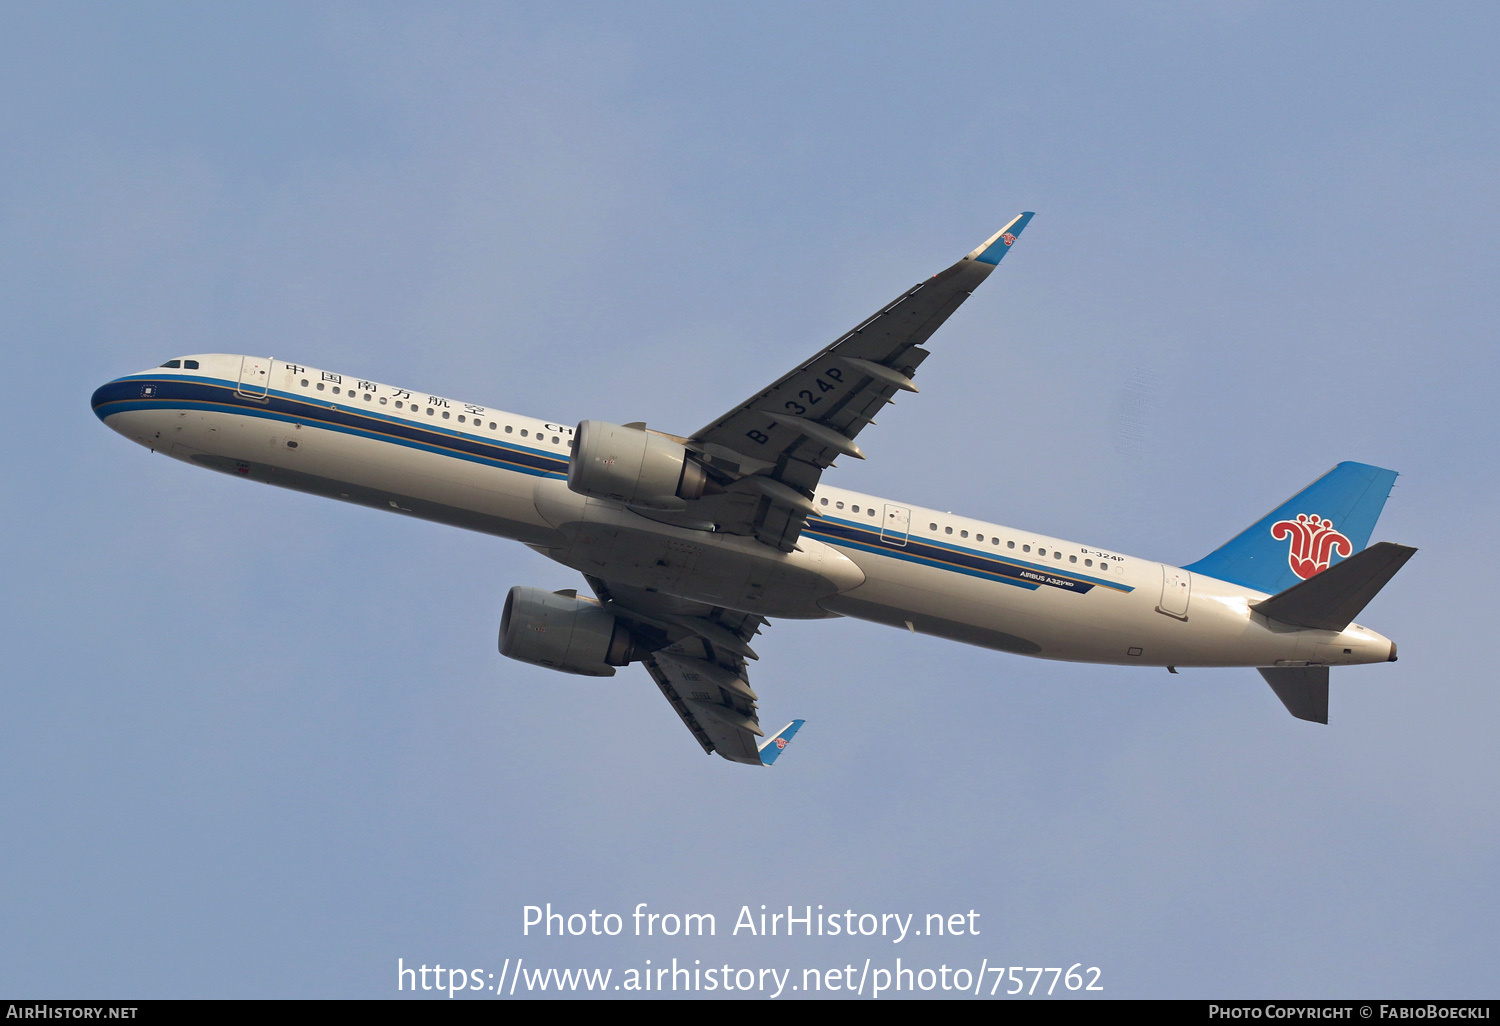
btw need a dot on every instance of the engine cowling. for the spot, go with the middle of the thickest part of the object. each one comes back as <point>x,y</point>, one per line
<point>633,466</point>
<point>561,631</point>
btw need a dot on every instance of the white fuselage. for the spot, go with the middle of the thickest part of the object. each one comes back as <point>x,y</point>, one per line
<point>860,555</point>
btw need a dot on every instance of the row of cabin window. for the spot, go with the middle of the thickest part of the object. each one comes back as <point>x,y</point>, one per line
<point>854,508</point>
<point>1041,550</point>
<point>184,364</point>
<point>870,511</point>
<point>432,412</point>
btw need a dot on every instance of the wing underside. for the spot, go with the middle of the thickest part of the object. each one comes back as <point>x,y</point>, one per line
<point>765,458</point>
<point>697,655</point>
<point>725,722</point>
<point>769,452</point>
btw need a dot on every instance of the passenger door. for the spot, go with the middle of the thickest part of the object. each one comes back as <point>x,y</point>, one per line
<point>1176,592</point>
<point>255,377</point>
<point>896,525</point>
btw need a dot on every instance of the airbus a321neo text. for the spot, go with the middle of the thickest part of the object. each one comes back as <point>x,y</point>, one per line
<point>690,543</point>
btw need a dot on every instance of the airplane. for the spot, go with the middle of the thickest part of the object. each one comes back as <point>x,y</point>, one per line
<point>691,544</point>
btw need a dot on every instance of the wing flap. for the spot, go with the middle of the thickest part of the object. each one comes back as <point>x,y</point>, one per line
<point>779,526</point>
<point>697,656</point>
<point>723,720</point>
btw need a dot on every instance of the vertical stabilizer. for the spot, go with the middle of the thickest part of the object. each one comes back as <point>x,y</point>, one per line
<point>1329,520</point>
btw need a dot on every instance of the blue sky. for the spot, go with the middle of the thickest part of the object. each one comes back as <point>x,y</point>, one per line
<point>262,745</point>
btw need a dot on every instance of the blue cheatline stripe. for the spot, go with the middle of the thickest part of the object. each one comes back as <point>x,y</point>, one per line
<point>181,392</point>
<point>903,556</point>
<point>945,556</point>
<point>184,392</point>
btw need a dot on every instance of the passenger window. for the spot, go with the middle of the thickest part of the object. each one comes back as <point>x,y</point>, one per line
<point>367,397</point>
<point>492,426</point>
<point>320,386</point>
<point>1088,562</point>
<point>869,511</point>
<point>838,505</point>
<point>304,382</point>
<point>335,390</point>
<point>932,527</point>
<point>1025,548</point>
<point>507,429</point>
<point>430,411</point>
<point>382,400</point>
<point>523,432</point>
<point>854,508</point>
<point>1041,552</point>
<point>947,530</point>
<point>554,440</point>
<point>823,501</point>
<point>1056,554</point>
<point>1009,544</point>
<point>979,537</point>
<point>1072,559</point>
<point>445,414</point>
<point>963,534</point>
<point>190,364</point>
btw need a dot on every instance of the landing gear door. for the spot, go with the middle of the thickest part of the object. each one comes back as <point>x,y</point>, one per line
<point>896,525</point>
<point>255,377</point>
<point>1176,592</point>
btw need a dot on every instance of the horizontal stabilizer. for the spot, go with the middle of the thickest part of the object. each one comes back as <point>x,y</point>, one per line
<point>1329,601</point>
<point>1302,689</point>
<point>775,744</point>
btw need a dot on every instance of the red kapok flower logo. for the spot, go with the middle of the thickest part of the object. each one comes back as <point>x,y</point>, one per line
<point>1313,543</point>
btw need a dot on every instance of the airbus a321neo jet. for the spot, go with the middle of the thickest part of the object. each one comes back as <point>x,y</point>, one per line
<point>691,542</point>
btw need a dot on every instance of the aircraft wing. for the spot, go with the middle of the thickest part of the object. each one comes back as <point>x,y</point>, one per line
<point>697,656</point>
<point>777,444</point>
<point>711,699</point>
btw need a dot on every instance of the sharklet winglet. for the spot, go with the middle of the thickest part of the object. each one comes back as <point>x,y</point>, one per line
<point>994,248</point>
<point>777,742</point>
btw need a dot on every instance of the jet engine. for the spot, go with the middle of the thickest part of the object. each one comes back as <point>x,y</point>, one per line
<point>559,630</point>
<point>633,466</point>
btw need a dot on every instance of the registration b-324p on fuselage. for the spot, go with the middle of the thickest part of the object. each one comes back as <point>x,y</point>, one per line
<point>690,543</point>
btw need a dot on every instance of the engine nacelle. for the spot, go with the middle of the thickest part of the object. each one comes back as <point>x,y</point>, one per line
<point>561,631</point>
<point>633,466</point>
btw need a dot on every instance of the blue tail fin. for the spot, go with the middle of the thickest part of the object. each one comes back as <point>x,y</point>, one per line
<point>1329,520</point>
<point>773,745</point>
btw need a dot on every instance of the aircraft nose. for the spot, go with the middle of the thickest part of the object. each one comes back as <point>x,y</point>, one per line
<point>101,397</point>
<point>117,396</point>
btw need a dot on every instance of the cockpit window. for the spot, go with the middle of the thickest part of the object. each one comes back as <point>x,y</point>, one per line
<point>173,363</point>
<point>189,364</point>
